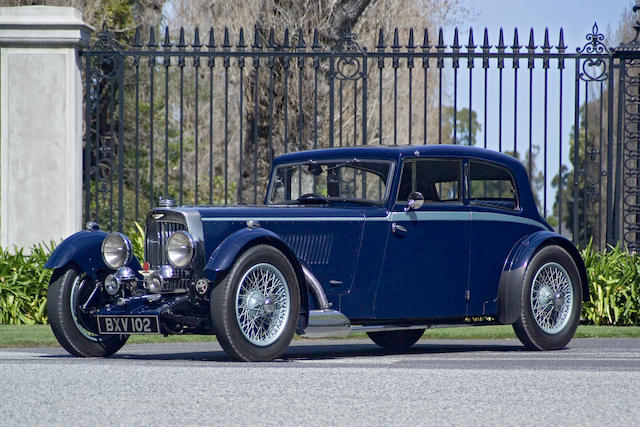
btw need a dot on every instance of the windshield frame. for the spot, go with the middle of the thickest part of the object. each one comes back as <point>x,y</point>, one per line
<point>349,162</point>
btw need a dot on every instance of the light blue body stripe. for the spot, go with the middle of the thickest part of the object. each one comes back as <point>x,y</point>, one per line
<point>400,216</point>
<point>292,218</point>
<point>490,216</point>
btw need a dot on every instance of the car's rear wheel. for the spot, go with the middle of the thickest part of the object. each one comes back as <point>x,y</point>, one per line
<point>551,301</point>
<point>70,297</point>
<point>396,340</point>
<point>255,307</point>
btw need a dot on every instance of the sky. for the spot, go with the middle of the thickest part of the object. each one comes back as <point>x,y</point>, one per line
<point>577,19</point>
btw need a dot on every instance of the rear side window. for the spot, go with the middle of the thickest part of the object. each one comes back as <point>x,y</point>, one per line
<point>437,179</point>
<point>492,185</point>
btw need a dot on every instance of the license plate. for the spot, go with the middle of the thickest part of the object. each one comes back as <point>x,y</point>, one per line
<point>128,325</point>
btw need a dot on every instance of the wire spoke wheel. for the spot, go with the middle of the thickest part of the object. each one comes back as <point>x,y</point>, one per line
<point>262,304</point>
<point>551,297</point>
<point>81,293</point>
<point>72,296</point>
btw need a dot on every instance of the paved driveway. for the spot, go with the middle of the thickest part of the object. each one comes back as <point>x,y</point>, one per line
<point>594,382</point>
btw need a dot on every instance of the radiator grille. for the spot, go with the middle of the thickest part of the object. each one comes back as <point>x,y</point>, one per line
<point>158,233</point>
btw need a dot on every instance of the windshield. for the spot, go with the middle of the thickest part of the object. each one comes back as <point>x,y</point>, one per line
<point>351,180</point>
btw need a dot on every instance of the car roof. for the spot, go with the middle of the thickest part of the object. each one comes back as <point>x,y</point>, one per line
<point>398,153</point>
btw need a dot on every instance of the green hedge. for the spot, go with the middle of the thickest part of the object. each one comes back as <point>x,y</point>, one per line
<point>24,281</point>
<point>23,285</point>
<point>614,284</point>
<point>614,279</point>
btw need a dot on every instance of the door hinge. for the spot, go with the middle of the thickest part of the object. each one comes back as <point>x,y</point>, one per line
<point>467,295</point>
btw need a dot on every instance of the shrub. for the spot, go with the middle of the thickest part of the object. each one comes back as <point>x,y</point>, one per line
<point>137,236</point>
<point>23,285</point>
<point>614,283</point>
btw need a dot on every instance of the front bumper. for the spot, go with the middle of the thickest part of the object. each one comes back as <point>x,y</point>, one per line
<point>176,313</point>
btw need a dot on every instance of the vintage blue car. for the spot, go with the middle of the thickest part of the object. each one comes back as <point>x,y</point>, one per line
<point>386,240</point>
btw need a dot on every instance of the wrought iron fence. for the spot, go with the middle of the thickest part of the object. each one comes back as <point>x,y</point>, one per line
<point>200,121</point>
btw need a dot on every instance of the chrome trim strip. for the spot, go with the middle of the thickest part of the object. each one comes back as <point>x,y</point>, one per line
<point>293,218</point>
<point>382,328</point>
<point>194,223</point>
<point>402,216</point>
<point>431,216</point>
<point>316,288</point>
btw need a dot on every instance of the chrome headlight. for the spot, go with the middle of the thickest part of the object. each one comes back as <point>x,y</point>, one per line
<point>181,249</point>
<point>116,250</point>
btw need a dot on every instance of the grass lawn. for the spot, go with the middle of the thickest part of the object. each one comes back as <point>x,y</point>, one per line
<point>41,336</point>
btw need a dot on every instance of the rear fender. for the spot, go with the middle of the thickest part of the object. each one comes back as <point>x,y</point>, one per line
<point>84,250</point>
<point>512,277</point>
<point>234,245</point>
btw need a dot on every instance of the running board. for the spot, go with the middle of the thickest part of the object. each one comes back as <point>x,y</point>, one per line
<point>330,323</point>
<point>327,323</point>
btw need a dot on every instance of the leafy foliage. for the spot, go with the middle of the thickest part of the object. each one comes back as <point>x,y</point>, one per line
<point>23,285</point>
<point>136,234</point>
<point>614,282</point>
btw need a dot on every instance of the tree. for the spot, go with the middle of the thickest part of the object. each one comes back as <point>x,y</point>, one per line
<point>265,124</point>
<point>462,134</point>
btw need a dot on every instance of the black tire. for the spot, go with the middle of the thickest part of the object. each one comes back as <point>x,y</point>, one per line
<point>557,323</point>
<point>230,302</point>
<point>396,340</point>
<point>77,332</point>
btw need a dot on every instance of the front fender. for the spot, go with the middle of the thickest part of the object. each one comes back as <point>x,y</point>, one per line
<point>83,249</point>
<point>515,267</point>
<point>226,253</point>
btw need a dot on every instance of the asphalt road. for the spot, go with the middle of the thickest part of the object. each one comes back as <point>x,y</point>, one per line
<point>593,382</point>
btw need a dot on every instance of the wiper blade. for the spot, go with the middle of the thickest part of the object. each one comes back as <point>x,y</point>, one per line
<point>345,163</point>
<point>356,201</point>
<point>312,199</point>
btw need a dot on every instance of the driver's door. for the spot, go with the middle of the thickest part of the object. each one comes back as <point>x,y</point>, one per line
<point>426,265</point>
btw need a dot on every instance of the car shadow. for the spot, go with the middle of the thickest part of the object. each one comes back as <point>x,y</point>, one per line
<point>305,351</point>
<point>344,351</point>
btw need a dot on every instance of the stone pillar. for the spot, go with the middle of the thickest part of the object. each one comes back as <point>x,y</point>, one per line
<point>40,123</point>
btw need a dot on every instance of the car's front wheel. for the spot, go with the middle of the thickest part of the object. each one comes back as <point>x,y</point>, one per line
<point>551,301</point>
<point>255,307</point>
<point>70,297</point>
<point>396,340</point>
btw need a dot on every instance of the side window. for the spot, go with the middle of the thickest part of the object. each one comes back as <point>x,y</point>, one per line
<point>437,179</point>
<point>492,185</point>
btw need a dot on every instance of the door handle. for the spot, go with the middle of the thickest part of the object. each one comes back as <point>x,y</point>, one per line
<point>397,227</point>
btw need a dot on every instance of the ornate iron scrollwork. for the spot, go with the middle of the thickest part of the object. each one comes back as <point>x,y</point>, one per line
<point>349,63</point>
<point>630,54</point>
<point>631,167</point>
<point>105,73</point>
<point>594,68</point>
<point>107,56</point>
<point>594,59</point>
<point>592,173</point>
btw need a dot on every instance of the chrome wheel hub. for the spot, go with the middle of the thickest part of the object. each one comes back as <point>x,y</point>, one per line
<point>262,304</point>
<point>254,304</point>
<point>551,298</point>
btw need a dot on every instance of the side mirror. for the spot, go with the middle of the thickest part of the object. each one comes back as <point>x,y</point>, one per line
<point>416,200</point>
